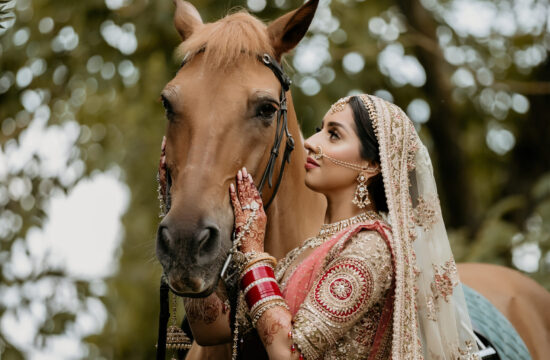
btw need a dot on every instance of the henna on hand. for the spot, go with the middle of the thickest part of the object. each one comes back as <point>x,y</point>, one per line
<point>272,322</point>
<point>242,200</point>
<point>206,310</point>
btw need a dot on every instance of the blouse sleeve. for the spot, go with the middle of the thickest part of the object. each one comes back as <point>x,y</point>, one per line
<point>349,285</point>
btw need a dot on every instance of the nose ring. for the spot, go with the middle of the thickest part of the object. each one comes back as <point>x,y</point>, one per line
<point>319,153</point>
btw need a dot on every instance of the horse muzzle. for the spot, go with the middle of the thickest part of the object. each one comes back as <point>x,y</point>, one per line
<point>191,256</point>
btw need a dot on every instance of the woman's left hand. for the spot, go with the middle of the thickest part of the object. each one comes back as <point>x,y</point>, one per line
<point>247,203</point>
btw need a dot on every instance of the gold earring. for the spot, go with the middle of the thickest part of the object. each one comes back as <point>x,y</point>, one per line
<point>176,338</point>
<point>361,198</point>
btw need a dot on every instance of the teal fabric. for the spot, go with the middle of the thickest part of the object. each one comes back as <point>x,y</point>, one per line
<point>489,322</point>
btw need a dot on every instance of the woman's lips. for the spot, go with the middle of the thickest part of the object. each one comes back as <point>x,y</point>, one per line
<point>310,163</point>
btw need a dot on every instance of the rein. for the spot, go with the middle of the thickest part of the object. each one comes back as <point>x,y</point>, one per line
<point>281,130</point>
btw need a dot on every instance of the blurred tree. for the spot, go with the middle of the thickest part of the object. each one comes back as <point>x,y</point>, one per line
<point>473,75</point>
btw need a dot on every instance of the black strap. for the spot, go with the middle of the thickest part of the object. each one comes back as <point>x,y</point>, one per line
<point>164,316</point>
<point>280,131</point>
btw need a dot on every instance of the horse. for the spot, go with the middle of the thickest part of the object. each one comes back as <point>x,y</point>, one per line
<point>221,108</point>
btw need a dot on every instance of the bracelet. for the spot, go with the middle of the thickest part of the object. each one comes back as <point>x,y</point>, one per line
<point>262,257</point>
<point>251,255</point>
<point>263,301</point>
<point>256,273</point>
<point>257,282</point>
<point>266,306</point>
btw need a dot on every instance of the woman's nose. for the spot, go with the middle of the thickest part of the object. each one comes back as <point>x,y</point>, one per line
<point>309,144</point>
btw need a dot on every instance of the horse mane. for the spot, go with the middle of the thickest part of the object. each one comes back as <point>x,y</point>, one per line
<point>224,42</point>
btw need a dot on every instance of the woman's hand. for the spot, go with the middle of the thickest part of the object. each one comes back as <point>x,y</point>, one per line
<point>247,203</point>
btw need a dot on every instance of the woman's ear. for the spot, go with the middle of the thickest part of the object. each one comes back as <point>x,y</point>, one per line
<point>186,19</point>
<point>287,31</point>
<point>374,167</point>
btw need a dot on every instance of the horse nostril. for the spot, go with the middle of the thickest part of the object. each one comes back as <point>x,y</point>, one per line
<point>208,240</point>
<point>163,238</point>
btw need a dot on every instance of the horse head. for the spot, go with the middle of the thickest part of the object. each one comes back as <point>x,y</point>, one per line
<point>221,110</point>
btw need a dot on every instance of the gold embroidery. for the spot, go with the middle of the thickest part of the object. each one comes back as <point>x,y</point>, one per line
<point>432,309</point>
<point>445,279</point>
<point>426,212</point>
<point>467,353</point>
<point>340,315</point>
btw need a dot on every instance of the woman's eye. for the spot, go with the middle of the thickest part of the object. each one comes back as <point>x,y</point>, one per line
<point>333,135</point>
<point>266,111</point>
<point>318,129</point>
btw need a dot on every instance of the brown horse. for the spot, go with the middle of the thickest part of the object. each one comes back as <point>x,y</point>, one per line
<point>221,108</point>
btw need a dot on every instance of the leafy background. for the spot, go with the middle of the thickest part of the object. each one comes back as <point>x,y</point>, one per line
<point>80,118</point>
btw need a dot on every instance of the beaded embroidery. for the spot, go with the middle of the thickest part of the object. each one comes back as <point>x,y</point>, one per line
<point>445,279</point>
<point>426,212</point>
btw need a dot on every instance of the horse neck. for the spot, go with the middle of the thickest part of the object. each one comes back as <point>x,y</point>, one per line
<point>297,212</point>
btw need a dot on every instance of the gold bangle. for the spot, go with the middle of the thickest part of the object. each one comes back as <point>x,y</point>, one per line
<point>260,310</point>
<point>263,257</point>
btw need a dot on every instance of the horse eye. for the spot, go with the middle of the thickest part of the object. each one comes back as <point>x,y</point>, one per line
<point>266,111</point>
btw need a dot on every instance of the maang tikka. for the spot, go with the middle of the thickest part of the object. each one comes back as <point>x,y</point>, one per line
<point>361,198</point>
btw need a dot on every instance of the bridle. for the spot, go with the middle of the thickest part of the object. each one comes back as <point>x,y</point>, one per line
<point>281,131</point>
<point>282,125</point>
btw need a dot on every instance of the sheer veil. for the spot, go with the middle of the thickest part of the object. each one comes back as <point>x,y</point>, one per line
<point>430,318</point>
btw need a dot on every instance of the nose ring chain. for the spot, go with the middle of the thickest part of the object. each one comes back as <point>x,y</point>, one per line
<point>319,155</point>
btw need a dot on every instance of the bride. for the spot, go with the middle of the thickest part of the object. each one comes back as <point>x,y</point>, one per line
<point>379,280</point>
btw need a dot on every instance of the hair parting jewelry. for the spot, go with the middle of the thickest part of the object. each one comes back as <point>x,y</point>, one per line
<point>339,105</point>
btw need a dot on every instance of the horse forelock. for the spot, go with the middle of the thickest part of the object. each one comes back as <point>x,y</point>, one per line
<point>225,42</point>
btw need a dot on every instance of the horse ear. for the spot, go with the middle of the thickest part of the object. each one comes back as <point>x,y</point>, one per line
<point>186,19</point>
<point>287,31</point>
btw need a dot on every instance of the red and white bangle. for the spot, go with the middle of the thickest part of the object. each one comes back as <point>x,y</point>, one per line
<point>257,282</point>
<point>260,289</point>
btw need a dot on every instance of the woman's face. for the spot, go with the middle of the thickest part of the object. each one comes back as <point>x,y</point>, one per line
<point>338,139</point>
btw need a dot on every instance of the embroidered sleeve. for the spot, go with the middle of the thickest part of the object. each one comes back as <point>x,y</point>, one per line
<point>349,285</point>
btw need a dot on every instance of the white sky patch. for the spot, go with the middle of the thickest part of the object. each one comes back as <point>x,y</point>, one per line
<point>469,17</point>
<point>52,144</point>
<point>81,236</point>
<point>83,229</point>
<point>526,257</point>
<point>402,69</point>
<point>311,54</point>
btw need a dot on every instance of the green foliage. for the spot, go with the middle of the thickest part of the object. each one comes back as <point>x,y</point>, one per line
<point>486,131</point>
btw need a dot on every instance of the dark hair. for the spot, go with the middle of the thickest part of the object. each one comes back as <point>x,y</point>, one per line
<point>369,149</point>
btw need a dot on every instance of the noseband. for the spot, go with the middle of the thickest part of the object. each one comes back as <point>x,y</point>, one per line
<point>281,130</point>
